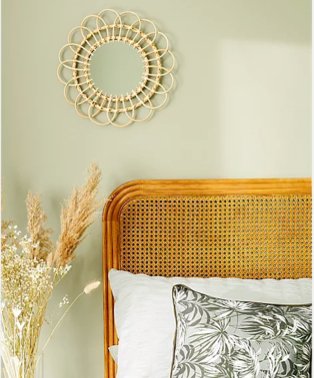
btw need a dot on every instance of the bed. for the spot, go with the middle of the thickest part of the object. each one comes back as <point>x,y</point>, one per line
<point>244,228</point>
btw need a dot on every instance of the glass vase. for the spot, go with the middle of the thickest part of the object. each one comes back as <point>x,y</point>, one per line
<point>39,371</point>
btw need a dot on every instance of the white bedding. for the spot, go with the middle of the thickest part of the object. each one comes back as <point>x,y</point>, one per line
<point>145,321</point>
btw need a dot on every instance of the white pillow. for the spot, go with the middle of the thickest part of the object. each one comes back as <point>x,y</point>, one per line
<point>114,350</point>
<point>144,315</point>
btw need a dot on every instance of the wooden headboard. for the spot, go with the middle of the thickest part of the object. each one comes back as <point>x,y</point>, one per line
<point>256,228</point>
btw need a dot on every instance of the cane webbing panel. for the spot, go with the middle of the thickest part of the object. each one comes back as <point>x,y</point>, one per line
<point>223,236</point>
<point>206,228</point>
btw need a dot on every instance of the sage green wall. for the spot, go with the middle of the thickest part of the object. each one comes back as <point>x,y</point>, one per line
<point>241,108</point>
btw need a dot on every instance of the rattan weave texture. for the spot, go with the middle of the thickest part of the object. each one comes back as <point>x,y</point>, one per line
<point>223,236</point>
<point>246,228</point>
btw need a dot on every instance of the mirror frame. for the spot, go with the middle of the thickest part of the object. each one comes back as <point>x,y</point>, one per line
<point>95,103</point>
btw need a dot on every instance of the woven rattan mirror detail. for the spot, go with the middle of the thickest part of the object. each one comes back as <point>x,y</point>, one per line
<point>97,104</point>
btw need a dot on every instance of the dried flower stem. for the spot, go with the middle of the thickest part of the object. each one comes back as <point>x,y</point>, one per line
<point>31,267</point>
<point>76,216</point>
<point>36,219</point>
<point>87,290</point>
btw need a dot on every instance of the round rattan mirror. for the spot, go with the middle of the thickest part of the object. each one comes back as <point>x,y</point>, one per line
<point>116,68</point>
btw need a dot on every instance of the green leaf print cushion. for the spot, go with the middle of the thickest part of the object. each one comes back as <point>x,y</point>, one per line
<point>219,338</point>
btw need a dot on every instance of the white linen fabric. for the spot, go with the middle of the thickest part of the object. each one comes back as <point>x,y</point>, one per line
<point>145,321</point>
<point>113,350</point>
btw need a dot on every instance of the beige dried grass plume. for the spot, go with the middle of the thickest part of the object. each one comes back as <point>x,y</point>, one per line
<point>40,235</point>
<point>77,215</point>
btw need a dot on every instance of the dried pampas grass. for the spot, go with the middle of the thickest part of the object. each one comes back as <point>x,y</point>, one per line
<point>76,216</point>
<point>31,267</point>
<point>40,235</point>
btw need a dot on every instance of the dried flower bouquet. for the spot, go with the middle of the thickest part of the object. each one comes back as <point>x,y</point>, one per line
<point>31,267</point>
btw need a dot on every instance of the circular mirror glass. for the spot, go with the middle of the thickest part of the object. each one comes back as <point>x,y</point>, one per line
<point>116,68</point>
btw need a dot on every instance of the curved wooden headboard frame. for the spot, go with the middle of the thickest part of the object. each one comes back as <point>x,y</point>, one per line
<point>159,190</point>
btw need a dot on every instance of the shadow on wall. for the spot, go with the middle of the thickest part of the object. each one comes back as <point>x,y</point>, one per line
<point>253,93</point>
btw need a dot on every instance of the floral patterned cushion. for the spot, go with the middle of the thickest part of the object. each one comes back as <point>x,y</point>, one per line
<point>218,338</point>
